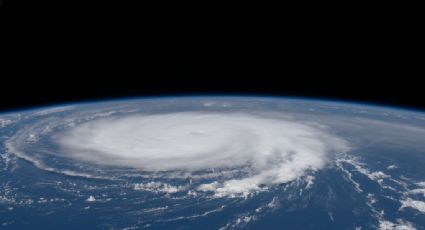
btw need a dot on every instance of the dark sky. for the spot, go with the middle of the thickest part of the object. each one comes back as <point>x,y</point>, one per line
<point>64,51</point>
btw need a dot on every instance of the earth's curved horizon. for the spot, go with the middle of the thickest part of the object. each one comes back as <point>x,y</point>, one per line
<point>334,100</point>
<point>213,162</point>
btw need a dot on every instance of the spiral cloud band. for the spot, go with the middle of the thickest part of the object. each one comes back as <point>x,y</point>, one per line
<point>271,151</point>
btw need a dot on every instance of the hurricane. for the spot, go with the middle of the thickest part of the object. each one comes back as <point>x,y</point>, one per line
<point>269,151</point>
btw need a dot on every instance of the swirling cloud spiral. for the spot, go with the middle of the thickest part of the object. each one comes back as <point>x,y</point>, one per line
<point>273,150</point>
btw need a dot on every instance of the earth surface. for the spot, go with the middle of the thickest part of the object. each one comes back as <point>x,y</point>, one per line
<point>212,163</point>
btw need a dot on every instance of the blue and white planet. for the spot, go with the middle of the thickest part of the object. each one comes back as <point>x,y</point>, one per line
<point>213,163</point>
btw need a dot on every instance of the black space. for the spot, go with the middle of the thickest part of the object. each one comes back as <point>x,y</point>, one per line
<point>66,51</point>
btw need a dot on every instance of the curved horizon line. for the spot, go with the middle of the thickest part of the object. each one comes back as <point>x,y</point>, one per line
<point>324,99</point>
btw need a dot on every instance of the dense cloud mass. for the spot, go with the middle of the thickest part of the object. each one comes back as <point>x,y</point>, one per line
<point>274,150</point>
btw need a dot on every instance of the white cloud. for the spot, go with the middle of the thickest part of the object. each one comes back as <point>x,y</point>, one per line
<point>349,175</point>
<point>421,184</point>
<point>4,122</point>
<point>240,222</point>
<point>208,187</point>
<point>206,213</point>
<point>377,176</point>
<point>158,187</point>
<point>91,199</point>
<point>156,209</point>
<point>391,167</point>
<point>415,204</point>
<point>310,181</point>
<point>401,225</point>
<point>418,191</point>
<point>274,150</point>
